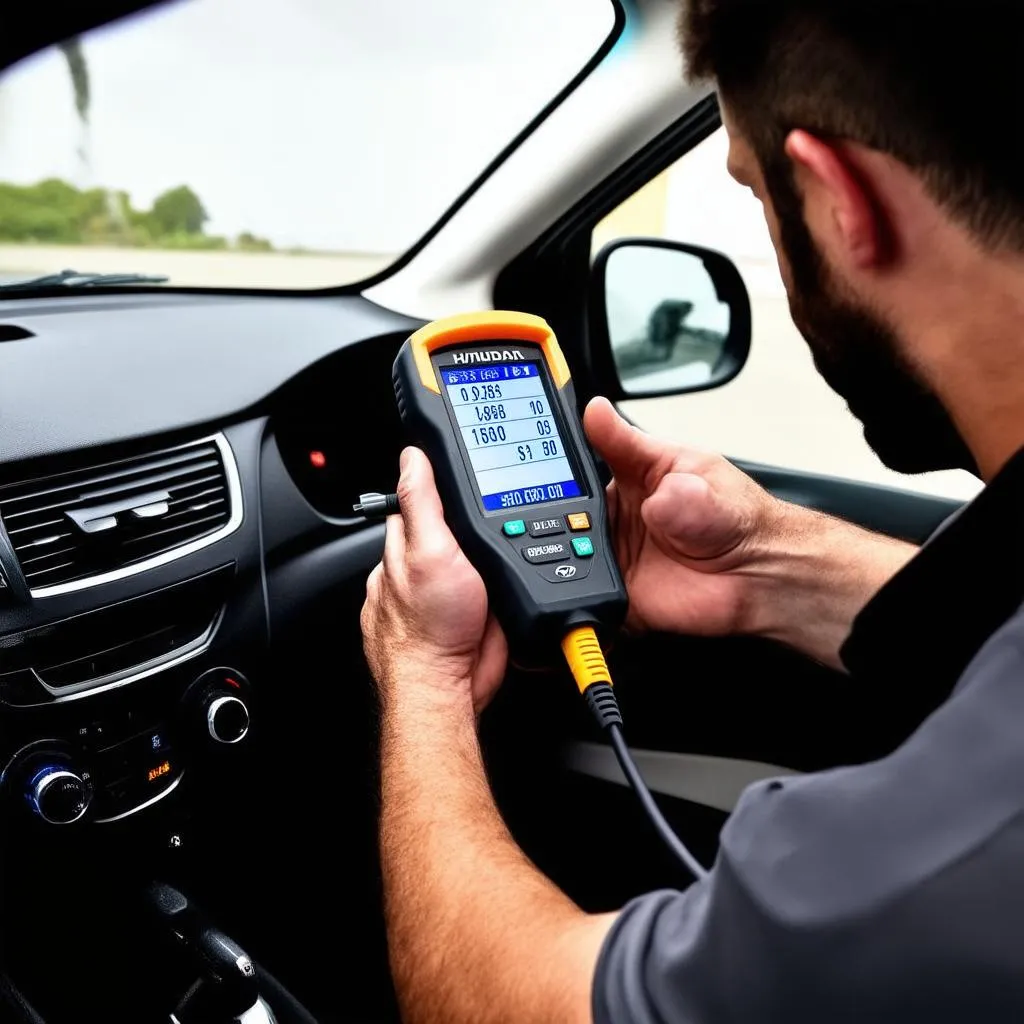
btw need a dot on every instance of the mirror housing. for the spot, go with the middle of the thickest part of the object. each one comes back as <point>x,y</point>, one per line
<point>665,318</point>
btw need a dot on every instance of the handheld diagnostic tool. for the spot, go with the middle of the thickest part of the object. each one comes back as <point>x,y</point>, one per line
<point>489,398</point>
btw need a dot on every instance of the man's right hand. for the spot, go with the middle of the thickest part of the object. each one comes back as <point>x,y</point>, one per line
<point>704,550</point>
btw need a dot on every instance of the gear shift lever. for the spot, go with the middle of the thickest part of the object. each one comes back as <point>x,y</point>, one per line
<point>227,988</point>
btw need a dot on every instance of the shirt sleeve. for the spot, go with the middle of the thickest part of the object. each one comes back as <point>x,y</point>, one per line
<point>890,891</point>
<point>703,956</point>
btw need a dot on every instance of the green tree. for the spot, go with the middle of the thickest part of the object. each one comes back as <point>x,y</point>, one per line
<point>45,212</point>
<point>178,211</point>
<point>248,242</point>
<point>56,212</point>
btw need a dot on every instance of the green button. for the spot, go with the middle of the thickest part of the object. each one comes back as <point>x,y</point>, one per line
<point>514,528</point>
<point>583,546</point>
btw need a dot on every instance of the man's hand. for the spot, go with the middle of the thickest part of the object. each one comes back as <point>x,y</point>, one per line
<point>426,629</point>
<point>705,550</point>
<point>688,527</point>
<point>476,934</point>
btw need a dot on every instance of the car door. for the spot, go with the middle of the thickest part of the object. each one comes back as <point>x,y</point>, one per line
<point>707,717</point>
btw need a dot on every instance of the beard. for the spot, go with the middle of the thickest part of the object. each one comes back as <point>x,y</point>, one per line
<point>859,355</point>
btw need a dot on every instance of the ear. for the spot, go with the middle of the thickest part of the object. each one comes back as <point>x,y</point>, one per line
<point>843,200</point>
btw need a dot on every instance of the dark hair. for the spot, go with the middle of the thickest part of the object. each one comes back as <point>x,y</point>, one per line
<point>936,84</point>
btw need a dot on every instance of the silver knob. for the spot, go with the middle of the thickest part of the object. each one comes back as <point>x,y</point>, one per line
<point>227,720</point>
<point>58,795</point>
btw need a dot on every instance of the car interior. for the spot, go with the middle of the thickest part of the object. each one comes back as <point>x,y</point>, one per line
<point>188,763</point>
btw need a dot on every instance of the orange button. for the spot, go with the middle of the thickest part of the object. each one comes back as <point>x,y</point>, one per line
<point>579,521</point>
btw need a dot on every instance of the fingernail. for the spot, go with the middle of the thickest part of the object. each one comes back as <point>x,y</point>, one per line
<point>403,460</point>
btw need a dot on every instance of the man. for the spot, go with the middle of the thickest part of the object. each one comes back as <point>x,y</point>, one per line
<point>882,141</point>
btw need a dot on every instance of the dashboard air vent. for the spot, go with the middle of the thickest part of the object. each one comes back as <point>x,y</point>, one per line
<point>73,526</point>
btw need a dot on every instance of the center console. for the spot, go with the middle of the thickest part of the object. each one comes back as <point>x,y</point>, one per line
<point>132,685</point>
<point>112,723</point>
<point>130,756</point>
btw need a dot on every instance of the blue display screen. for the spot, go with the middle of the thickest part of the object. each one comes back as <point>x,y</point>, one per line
<point>511,435</point>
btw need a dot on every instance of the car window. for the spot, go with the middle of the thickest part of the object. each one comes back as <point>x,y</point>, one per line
<point>778,410</point>
<point>270,143</point>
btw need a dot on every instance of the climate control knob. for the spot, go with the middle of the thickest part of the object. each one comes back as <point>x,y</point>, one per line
<point>227,719</point>
<point>58,794</point>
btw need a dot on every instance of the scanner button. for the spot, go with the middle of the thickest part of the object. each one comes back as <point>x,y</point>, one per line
<point>583,546</point>
<point>579,521</point>
<point>565,572</point>
<point>514,528</point>
<point>547,527</point>
<point>552,551</point>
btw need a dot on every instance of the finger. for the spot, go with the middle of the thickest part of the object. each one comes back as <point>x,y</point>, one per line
<point>494,645</point>
<point>374,579</point>
<point>611,497</point>
<point>394,545</point>
<point>422,512</point>
<point>492,663</point>
<point>367,614</point>
<point>631,454</point>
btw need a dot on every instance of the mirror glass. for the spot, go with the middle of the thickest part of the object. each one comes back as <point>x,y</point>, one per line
<point>667,327</point>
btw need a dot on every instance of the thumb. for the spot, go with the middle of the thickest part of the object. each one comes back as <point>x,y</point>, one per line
<point>629,452</point>
<point>422,511</point>
<point>687,515</point>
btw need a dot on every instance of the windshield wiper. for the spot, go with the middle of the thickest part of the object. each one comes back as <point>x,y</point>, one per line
<point>80,279</point>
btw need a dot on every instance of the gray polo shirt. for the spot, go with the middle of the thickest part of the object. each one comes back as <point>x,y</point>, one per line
<point>884,892</point>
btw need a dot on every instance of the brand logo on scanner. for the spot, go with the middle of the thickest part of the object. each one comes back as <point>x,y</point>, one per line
<point>503,355</point>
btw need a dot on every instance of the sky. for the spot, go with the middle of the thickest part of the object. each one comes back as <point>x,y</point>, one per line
<point>328,124</point>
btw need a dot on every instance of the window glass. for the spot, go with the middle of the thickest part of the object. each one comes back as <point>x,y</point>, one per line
<point>778,410</point>
<point>270,143</point>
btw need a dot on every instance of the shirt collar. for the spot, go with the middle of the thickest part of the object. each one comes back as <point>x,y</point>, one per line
<point>920,631</point>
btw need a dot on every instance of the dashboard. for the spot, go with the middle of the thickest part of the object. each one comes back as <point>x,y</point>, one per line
<point>177,474</point>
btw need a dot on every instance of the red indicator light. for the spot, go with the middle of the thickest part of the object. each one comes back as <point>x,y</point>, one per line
<point>233,682</point>
<point>317,459</point>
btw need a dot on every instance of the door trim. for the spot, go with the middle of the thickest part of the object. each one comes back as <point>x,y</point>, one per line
<point>716,782</point>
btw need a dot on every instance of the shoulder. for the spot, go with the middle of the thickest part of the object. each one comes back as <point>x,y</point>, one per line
<point>888,891</point>
<point>837,843</point>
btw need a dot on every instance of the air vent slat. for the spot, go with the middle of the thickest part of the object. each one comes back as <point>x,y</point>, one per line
<point>36,526</point>
<point>192,509</point>
<point>84,478</point>
<point>182,498</point>
<point>45,540</point>
<point>148,482</point>
<point>32,577</point>
<point>140,486</point>
<point>208,478</point>
<point>174,529</point>
<point>36,559</point>
<point>54,549</point>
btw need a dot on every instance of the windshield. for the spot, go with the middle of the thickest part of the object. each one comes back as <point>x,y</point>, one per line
<point>270,143</point>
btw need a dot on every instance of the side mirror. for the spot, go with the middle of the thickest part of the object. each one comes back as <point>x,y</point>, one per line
<point>666,318</point>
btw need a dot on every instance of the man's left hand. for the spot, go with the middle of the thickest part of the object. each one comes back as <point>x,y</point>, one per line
<point>427,633</point>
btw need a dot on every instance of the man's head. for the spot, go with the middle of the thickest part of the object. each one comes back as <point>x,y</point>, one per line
<point>882,140</point>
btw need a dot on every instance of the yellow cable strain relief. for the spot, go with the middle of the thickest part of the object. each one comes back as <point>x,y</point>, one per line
<point>585,657</point>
